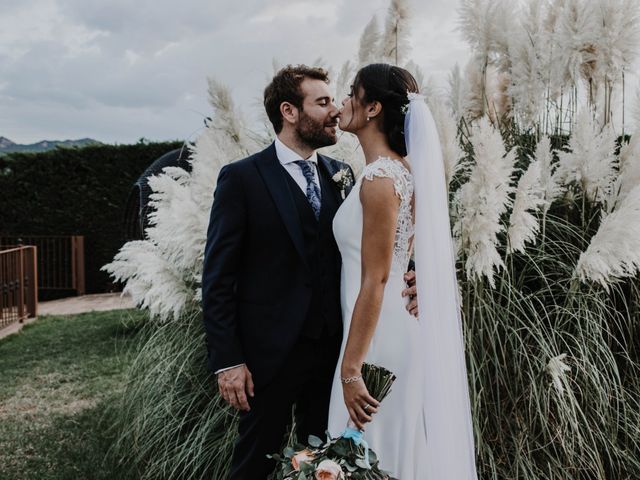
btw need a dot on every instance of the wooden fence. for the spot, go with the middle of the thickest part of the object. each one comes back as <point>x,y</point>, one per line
<point>60,260</point>
<point>18,284</point>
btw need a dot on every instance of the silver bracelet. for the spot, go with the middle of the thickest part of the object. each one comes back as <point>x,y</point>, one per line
<point>350,379</point>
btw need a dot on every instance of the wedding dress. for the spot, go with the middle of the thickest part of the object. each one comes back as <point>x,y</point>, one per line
<point>398,432</point>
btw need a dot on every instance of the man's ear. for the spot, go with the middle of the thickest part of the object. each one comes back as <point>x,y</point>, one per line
<point>374,109</point>
<point>289,112</point>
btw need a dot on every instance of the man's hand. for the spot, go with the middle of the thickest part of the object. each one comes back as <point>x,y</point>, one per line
<point>411,292</point>
<point>235,384</point>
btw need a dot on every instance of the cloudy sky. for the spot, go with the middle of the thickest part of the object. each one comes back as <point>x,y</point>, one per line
<point>120,70</point>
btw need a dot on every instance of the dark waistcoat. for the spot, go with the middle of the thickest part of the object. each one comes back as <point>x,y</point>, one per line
<point>324,316</point>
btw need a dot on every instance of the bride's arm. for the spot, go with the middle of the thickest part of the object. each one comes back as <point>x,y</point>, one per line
<point>380,212</point>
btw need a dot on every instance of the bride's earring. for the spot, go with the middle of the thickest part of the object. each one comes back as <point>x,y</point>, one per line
<point>368,119</point>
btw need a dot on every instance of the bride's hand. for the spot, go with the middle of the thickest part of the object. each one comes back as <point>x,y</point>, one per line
<point>359,403</point>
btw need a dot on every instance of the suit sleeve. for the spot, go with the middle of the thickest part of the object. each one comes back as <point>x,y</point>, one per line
<point>222,256</point>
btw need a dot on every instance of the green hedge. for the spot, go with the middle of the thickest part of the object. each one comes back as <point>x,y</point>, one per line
<point>75,191</point>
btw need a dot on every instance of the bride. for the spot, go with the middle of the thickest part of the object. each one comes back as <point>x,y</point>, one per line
<point>423,429</point>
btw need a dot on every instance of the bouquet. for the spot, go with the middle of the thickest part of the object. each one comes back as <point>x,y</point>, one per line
<point>345,457</point>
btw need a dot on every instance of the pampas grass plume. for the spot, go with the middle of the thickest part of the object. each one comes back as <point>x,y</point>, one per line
<point>395,45</point>
<point>527,47</point>
<point>629,168</point>
<point>618,38</point>
<point>369,50</point>
<point>457,88</point>
<point>523,225</point>
<point>448,132</point>
<point>557,369</point>
<point>549,178</point>
<point>162,272</point>
<point>636,111</point>
<point>575,39</point>
<point>483,200</point>
<point>614,251</point>
<point>477,25</point>
<point>590,162</point>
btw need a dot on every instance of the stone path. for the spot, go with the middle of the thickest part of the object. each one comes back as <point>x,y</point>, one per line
<point>87,303</point>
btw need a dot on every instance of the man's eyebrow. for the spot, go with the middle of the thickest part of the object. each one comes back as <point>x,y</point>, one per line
<point>326,97</point>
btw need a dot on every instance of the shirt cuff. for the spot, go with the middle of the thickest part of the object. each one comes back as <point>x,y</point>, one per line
<point>227,368</point>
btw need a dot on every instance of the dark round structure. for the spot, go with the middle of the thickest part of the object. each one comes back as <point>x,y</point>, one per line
<point>137,208</point>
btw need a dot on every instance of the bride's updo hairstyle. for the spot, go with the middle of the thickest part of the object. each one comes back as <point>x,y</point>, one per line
<point>388,85</point>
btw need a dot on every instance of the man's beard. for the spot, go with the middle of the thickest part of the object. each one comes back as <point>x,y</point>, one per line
<point>313,133</point>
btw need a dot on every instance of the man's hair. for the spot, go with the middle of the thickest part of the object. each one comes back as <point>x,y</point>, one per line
<point>285,87</point>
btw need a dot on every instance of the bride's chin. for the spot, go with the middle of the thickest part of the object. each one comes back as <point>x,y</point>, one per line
<point>345,128</point>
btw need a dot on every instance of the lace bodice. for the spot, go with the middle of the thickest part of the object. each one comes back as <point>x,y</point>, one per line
<point>403,185</point>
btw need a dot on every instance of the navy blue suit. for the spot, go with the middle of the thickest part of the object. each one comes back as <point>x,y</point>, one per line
<point>271,299</point>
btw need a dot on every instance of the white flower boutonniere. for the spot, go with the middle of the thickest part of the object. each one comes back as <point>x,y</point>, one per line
<point>344,179</point>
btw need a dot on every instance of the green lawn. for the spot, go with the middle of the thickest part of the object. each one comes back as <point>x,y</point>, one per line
<point>58,379</point>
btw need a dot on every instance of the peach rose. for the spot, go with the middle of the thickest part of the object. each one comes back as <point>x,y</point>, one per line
<point>328,470</point>
<point>303,456</point>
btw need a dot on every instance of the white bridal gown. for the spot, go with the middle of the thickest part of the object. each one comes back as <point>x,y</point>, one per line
<point>397,433</point>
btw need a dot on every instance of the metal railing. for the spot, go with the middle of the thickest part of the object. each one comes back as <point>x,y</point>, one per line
<point>60,260</point>
<point>18,284</point>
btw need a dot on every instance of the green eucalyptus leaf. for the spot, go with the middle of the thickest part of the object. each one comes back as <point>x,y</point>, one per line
<point>349,467</point>
<point>307,467</point>
<point>373,458</point>
<point>315,441</point>
<point>340,450</point>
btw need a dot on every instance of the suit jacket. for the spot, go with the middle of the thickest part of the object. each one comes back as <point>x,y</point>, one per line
<point>256,283</point>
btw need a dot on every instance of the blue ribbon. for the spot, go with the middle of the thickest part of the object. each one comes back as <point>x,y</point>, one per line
<point>356,436</point>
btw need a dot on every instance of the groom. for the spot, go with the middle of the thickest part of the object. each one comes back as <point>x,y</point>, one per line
<point>271,277</point>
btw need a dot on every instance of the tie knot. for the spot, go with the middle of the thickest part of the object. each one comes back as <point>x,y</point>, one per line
<point>305,166</point>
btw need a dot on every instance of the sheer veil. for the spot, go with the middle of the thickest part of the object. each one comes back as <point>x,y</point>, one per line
<point>447,410</point>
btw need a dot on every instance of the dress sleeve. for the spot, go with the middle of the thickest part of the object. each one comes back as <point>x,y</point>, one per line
<point>388,168</point>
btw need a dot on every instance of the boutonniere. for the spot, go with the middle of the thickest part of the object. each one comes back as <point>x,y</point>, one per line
<point>343,179</point>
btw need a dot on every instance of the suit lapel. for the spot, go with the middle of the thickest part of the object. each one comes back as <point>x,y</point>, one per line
<point>274,178</point>
<point>327,169</point>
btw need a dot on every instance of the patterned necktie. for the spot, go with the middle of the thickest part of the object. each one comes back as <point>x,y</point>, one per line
<point>313,191</point>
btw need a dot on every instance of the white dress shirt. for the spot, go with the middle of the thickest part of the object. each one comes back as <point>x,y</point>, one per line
<point>287,157</point>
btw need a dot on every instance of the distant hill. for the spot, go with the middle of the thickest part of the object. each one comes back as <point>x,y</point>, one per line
<point>7,146</point>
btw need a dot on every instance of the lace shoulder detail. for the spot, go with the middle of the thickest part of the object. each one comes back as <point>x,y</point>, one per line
<point>389,168</point>
<point>403,186</point>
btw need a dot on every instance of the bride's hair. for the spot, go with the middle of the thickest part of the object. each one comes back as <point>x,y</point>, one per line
<point>388,85</point>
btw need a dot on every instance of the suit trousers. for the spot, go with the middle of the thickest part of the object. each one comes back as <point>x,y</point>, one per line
<point>304,381</point>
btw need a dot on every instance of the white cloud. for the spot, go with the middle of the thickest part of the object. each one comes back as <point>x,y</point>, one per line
<point>298,11</point>
<point>119,70</point>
